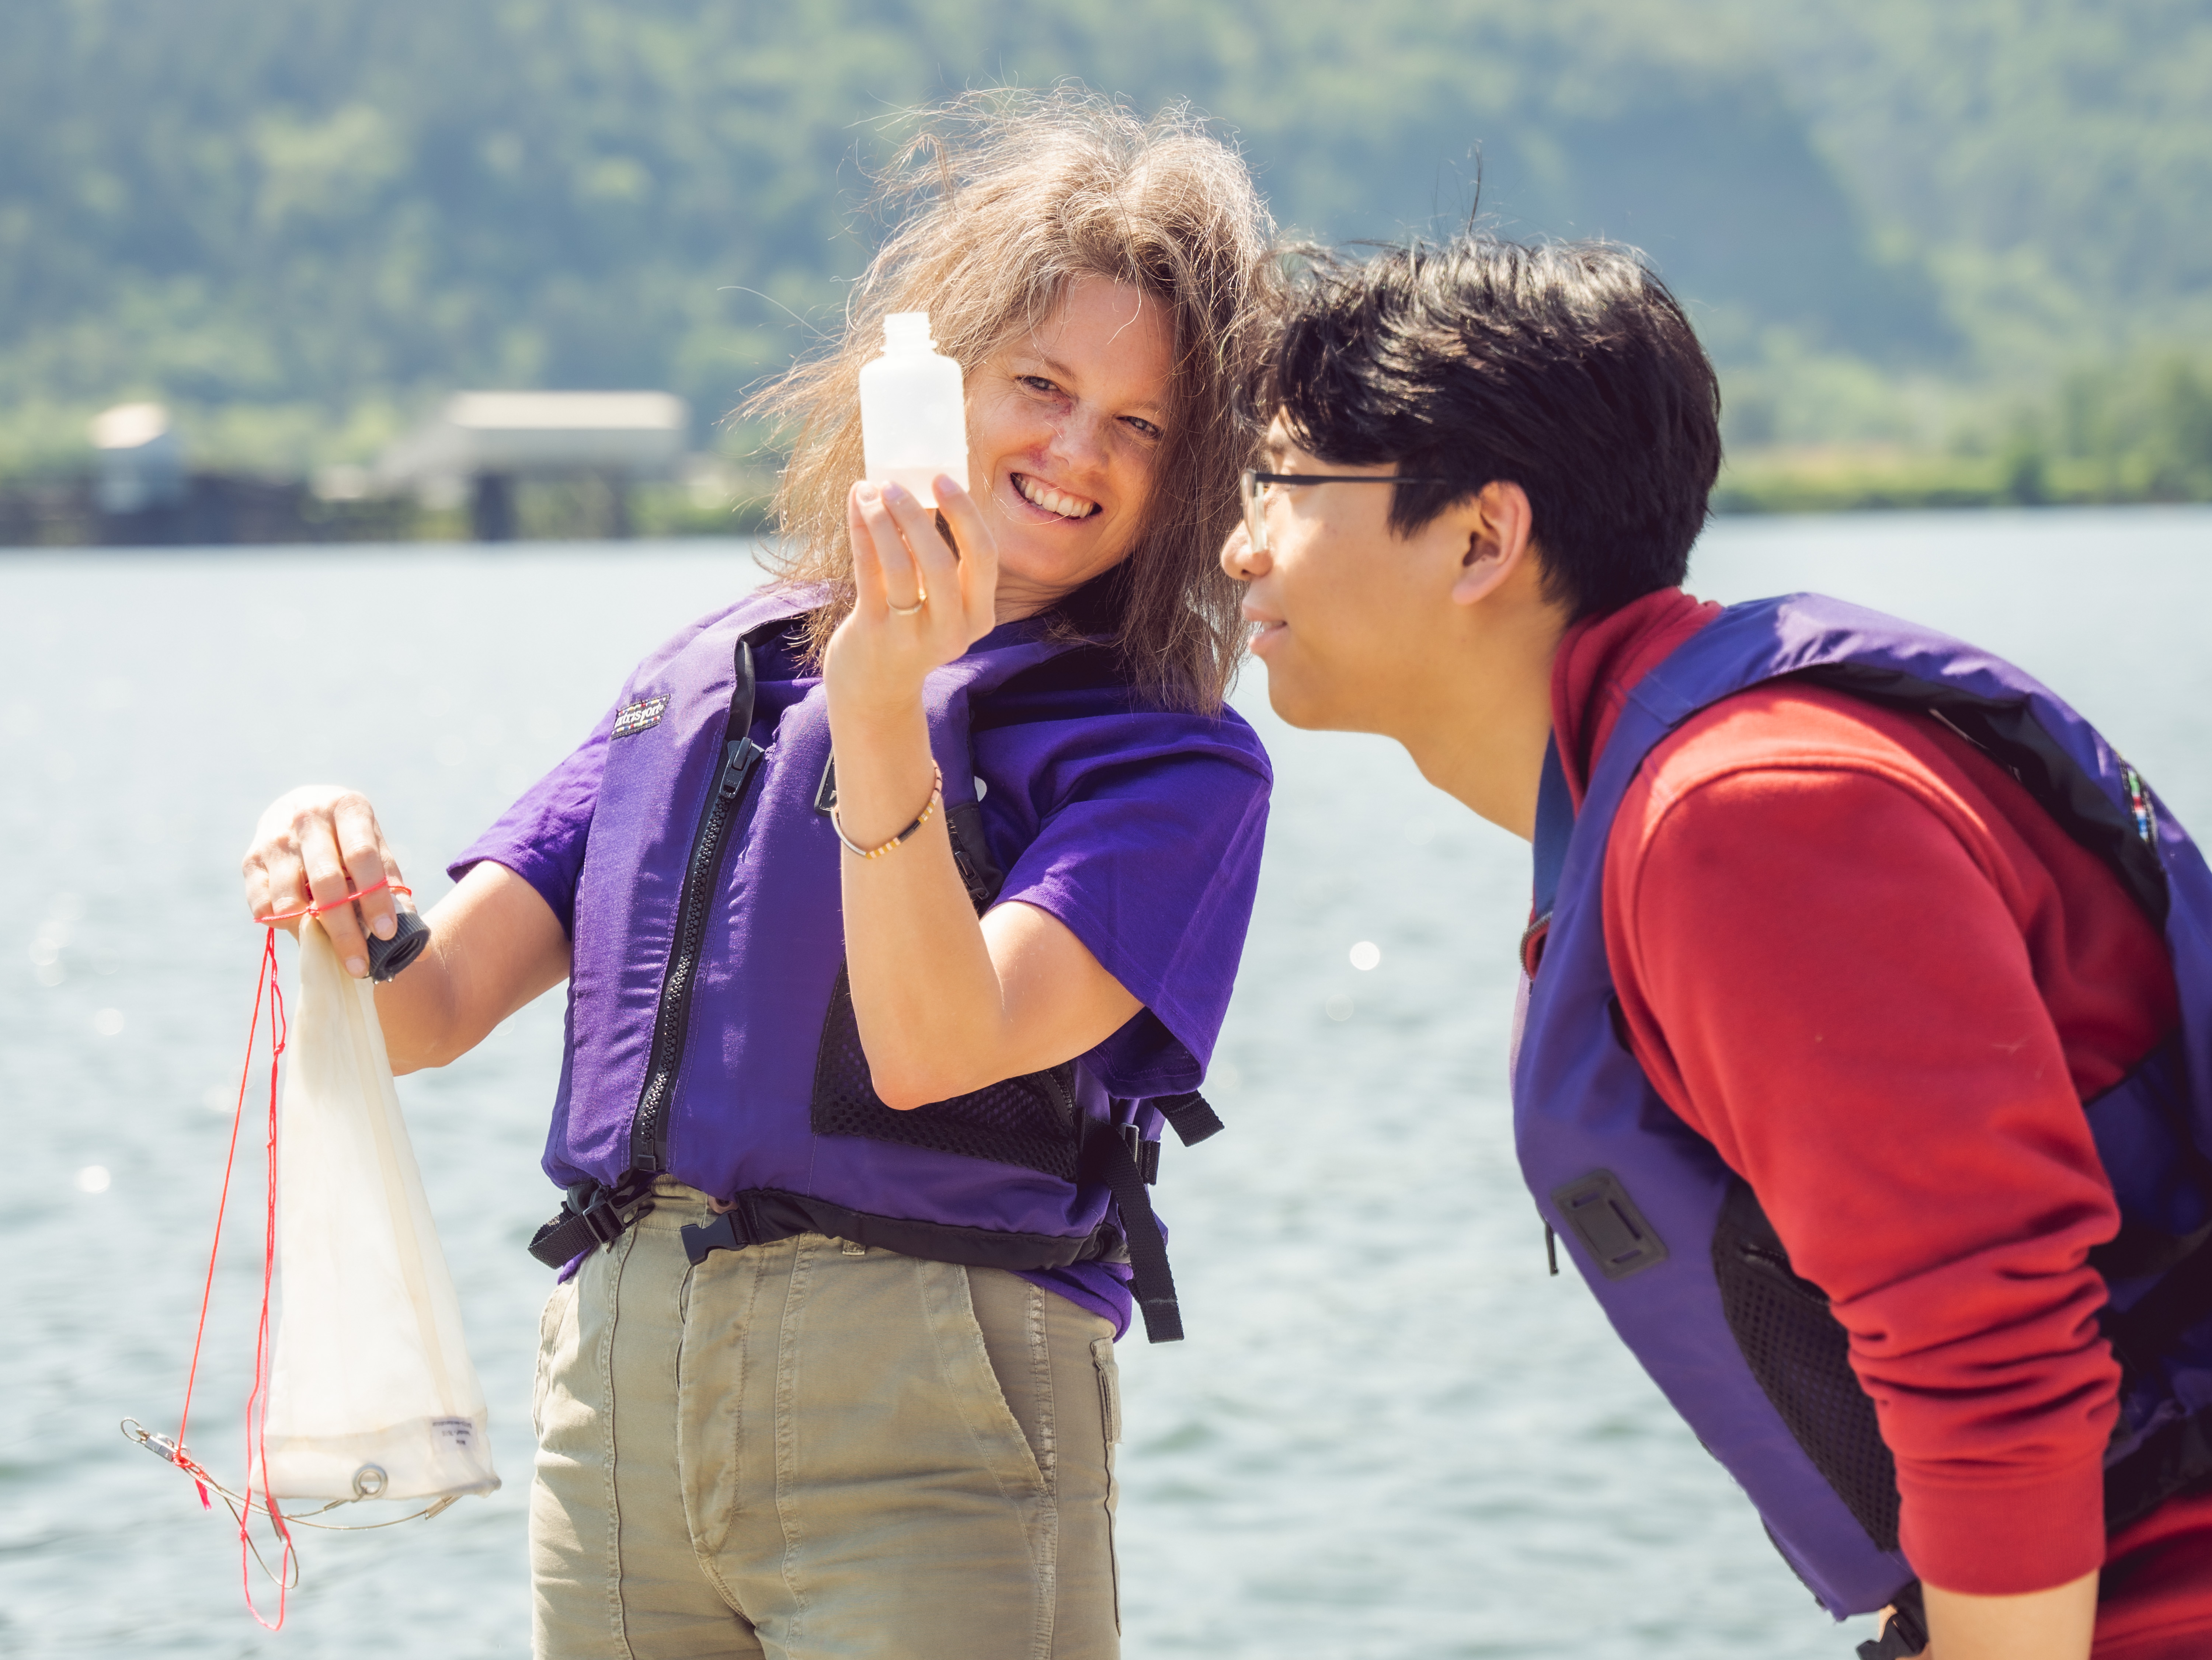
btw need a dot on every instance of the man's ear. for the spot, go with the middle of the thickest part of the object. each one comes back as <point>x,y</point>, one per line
<point>1499,546</point>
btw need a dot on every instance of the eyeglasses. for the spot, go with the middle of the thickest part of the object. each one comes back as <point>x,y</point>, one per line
<point>1253,487</point>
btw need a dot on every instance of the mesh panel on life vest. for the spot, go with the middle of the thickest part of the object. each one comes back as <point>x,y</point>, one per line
<point>1800,1356</point>
<point>1029,1121</point>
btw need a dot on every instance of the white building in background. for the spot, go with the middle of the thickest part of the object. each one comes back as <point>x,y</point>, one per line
<point>480,443</point>
<point>142,463</point>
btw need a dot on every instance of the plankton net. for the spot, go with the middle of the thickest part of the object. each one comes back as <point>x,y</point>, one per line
<point>367,1391</point>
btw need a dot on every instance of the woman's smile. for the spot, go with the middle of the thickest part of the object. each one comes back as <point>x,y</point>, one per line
<point>1054,503</point>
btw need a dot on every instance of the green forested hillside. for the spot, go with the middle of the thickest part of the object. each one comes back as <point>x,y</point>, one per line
<point>2052,160</point>
<point>299,223</point>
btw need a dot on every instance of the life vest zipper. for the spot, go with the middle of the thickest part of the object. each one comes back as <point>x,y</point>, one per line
<point>649,1133</point>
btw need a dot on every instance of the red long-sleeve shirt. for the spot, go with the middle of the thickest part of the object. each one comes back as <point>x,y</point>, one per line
<point>1855,956</point>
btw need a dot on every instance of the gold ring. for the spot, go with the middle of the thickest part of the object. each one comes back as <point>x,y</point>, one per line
<point>907,610</point>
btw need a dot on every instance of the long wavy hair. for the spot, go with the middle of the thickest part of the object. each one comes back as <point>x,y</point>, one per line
<point>998,203</point>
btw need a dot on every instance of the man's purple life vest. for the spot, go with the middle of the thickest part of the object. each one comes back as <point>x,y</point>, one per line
<point>1676,1246</point>
<point>710,1030</point>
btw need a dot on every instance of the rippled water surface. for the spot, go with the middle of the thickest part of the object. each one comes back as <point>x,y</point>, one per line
<point>1390,1434</point>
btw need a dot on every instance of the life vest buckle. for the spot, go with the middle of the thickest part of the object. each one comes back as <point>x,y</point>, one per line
<point>603,1222</point>
<point>592,1215</point>
<point>730,1230</point>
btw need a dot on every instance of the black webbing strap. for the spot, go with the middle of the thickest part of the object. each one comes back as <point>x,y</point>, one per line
<point>749,1222</point>
<point>760,1215</point>
<point>1906,1633</point>
<point>592,1215</point>
<point>1106,1158</point>
<point>1146,1153</point>
<point>1190,1117</point>
<point>596,1215</point>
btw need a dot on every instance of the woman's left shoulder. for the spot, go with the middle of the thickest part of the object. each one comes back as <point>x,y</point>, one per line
<point>1080,708</point>
<point>1223,738</point>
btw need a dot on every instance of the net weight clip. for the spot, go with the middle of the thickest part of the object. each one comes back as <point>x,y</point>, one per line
<point>153,1440</point>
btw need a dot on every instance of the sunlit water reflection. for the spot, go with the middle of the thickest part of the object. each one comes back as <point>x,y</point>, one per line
<point>1390,1434</point>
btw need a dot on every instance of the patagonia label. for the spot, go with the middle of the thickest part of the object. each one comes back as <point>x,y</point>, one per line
<point>634,717</point>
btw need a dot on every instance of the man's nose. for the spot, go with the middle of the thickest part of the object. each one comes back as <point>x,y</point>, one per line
<point>1238,558</point>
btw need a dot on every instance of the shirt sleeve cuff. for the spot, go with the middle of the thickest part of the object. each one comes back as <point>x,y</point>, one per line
<point>559,894</point>
<point>2003,1541</point>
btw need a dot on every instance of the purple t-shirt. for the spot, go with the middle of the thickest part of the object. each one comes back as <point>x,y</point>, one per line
<point>1139,830</point>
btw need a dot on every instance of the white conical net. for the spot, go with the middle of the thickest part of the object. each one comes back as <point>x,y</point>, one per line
<point>372,1392</point>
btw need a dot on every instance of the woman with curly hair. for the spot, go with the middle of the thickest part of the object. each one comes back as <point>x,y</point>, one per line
<point>899,904</point>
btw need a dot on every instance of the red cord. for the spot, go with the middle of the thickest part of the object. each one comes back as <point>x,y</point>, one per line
<point>313,910</point>
<point>264,979</point>
<point>257,1398</point>
<point>267,985</point>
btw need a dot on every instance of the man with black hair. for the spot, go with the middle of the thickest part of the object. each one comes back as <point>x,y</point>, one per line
<point>1864,1067</point>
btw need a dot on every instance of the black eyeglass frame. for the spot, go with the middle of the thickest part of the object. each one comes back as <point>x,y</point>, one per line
<point>1255,522</point>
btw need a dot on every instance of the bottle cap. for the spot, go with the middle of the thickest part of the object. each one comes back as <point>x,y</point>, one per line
<point>907,331</point>
<point>387,957</point>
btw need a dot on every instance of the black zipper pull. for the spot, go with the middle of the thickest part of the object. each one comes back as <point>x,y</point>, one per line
<point>739,757</point>
<point>1552,1249</point>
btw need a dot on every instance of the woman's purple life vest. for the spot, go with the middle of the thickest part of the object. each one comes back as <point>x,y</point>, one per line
<point>711,868</point>
<point>1676,1246</point>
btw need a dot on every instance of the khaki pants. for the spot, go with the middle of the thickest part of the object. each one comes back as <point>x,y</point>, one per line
<point>804,1450</point>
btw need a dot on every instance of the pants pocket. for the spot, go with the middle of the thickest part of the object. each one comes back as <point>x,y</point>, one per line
<point>1109,1391</point>
<point>1109,1420</point>
<point>550,1319</point>
<point>1009,1327</point>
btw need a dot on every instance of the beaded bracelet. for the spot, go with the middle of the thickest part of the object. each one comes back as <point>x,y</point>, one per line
<point>928,811</point>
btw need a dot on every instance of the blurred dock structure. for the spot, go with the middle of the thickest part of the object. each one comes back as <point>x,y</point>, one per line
<point>142,464</point>
<point>493,466</point>
<point>481,445</point>
<point>138,490</point>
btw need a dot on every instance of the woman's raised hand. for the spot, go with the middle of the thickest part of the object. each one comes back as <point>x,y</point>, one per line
<point>920,603</point>
<point>316,845</point>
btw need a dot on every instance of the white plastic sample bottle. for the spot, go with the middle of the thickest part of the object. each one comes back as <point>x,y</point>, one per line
<point>913,417</point>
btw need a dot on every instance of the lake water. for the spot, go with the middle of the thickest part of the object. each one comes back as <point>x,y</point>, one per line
<point>1390,1434</point>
